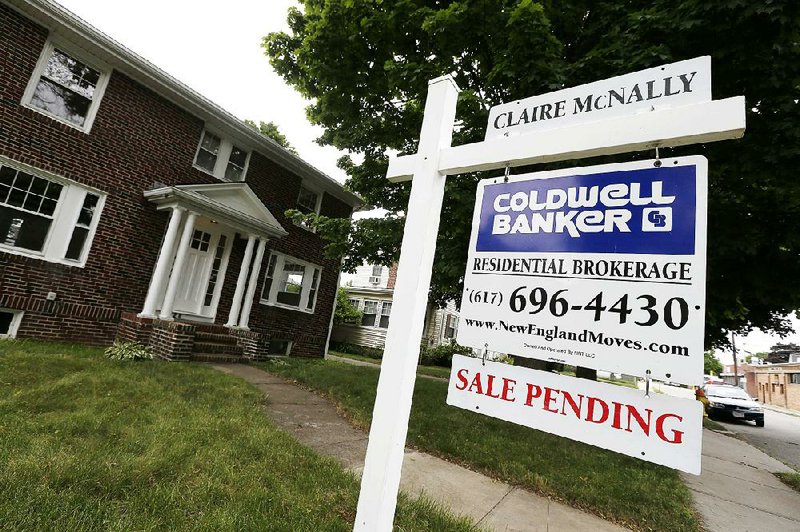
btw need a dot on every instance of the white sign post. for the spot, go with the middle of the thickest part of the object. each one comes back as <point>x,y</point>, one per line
<point>673,126</point>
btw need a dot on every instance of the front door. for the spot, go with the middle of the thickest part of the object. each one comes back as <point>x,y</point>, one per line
<point>203,271</point>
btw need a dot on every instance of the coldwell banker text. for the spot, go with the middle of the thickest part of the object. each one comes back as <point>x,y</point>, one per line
<point>676,84</point>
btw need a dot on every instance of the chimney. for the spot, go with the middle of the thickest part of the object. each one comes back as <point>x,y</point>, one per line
<point>392,276</point>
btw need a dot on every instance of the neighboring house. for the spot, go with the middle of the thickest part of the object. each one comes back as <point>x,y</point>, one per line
<point>370,289</point>
<point>776,384</point>
<point>133,207</point>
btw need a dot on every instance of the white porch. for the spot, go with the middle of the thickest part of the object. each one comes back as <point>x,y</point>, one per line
<point>192,264</point>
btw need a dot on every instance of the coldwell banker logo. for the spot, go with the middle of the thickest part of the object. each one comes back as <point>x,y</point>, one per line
<point>651,210</point>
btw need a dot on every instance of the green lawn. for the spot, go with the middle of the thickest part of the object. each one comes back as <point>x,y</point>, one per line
<point>792,479</point>
<point>91,444</point>
<point>432,371</point>
<point>639,494</point>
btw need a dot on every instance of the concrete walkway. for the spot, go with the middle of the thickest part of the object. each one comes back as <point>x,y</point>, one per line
<point>737,490</point>
<point>493,505</point>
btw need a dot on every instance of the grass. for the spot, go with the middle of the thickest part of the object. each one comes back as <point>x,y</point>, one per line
<point>638,494</point>
<point>791,479</point>
<point>713,425</point>
<point>432,371</point>
<point>87,444</point>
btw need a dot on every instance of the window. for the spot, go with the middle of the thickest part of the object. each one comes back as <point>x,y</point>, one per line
<point>9,323</point>
<point>794,378</point>
<point>291,283</point>
<point>221,158</point>
<point>451,326</point>
<point>279,347</point>
<point>65,88</point>
<point>307,203</point>
<point>375,278</point>
<point>44,216</point>
<point>369,312</point>
<point>386,310</point>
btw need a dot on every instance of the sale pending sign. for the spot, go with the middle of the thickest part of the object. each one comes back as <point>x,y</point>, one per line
<point>659,428</point>
<point>601,267</point>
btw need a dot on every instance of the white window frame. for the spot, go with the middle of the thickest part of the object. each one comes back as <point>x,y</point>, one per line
<point>41,65</point>
<point>65,217</point>
<point>378,307</point>
<point>308,275</point>
<point>223,156</point>
<point>317,207</point>
<point>15,321</point>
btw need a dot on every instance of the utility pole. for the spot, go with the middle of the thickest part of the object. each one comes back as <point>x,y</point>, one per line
<point>735,361</point>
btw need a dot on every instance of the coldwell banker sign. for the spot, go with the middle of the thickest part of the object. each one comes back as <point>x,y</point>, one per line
<point>601,267</point>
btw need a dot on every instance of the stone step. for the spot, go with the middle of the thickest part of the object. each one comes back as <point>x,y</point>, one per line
<point>203,346</point>
<point>218,358</point>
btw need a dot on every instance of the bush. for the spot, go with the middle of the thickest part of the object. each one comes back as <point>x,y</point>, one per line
<point>353,349</point>
<point>442,355</point>
<point>129,351</point>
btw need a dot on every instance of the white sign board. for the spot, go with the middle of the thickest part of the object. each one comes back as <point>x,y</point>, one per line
<point>662,429</point>
<point>673,85</point>
<point>602,267</point>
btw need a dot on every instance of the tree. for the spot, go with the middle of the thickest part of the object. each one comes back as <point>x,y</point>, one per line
<point>346,312</point>
<point>271,131</point>
<point>711,364</point>
<point>366,64</point>
<point>779,353</point>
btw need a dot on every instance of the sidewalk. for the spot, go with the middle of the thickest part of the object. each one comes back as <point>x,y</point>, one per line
<point>780,409</point>
<point>492,504</point>
<point>737,490</point>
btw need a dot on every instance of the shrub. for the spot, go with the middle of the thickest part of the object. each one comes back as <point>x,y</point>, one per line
<point>354,349</point>
<point>442,355</point>
<point>129,351</point>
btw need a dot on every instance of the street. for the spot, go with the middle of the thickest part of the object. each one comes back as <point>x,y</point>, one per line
<point>779,437</point>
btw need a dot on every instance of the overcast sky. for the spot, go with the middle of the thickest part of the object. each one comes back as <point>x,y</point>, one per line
<point>215,48</point>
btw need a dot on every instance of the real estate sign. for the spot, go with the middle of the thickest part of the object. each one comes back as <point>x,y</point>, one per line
<point>601,267</point>
<point>656,428</point>
<point>673,85</point>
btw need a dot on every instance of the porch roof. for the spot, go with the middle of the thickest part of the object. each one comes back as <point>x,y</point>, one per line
<point>234,204</point>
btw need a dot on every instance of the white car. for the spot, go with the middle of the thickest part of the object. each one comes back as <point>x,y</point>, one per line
<point>732,402</point>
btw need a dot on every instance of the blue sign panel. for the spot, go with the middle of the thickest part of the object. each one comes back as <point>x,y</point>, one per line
<point>638,211</point>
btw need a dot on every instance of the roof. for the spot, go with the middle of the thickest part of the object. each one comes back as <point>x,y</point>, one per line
<point>69,26</point>
<point>234,204</point>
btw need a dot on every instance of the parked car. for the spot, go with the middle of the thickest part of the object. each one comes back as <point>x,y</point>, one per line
<point>711,379</point>
<point>725,401</point>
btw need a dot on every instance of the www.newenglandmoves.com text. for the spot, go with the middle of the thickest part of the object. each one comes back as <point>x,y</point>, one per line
<point>585,337</point>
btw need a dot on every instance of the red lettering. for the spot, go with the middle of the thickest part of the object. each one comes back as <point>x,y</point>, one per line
<point>461,378</point>
<point>532,395</point>
<point>576,407</point>
<point>489,388</point>
<point>590,410</point>
<point>476,383</point>
<point>677,435</point>
<point>548,399</point>
<point>635,413</point>
<point>617,414</point>
<point>508,388</point>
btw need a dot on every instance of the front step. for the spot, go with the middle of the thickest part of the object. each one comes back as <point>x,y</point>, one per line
<point>218,358</point>
<point>205,346</point>
<point>214,337</point>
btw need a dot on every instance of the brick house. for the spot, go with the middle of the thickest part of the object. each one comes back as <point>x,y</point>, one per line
<point>132,206</point>
<point>777,384</point>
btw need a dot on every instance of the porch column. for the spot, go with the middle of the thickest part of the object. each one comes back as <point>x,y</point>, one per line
<point>163,264</point>
<point>236,305</point>
<point>247,305</point>
<point>177,268</point>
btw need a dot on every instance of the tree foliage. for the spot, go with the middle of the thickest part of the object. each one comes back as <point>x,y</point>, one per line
<point>366,64</point>
<point>345,312</point>
<point>271,131</point>
<point>711,364</point>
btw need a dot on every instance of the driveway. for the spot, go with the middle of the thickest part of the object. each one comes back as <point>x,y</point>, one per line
<point>779,437</point>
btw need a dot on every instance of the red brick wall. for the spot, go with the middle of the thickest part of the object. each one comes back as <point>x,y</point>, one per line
<point>138,139</point>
